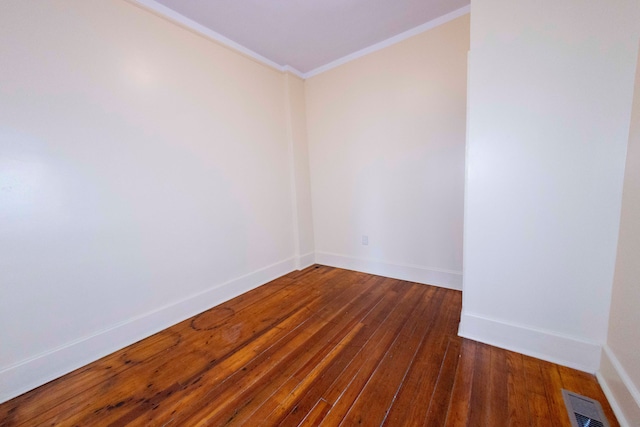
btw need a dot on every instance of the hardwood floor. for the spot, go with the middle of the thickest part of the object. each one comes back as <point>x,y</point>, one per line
<point>319,347</point>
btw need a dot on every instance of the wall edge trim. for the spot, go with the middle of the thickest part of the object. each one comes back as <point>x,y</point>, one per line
<point>623,378</point>
<point>411,273</point>
<point>546,345</point>
<point>35,371</point>
<point>617,410</point>
<point>306,260</point>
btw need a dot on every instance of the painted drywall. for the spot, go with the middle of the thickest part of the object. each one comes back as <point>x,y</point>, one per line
<point>299,152</point>
<point>550,90</point>
<point>621,359</point>
<point>386,140</point>
<point>145,176</point>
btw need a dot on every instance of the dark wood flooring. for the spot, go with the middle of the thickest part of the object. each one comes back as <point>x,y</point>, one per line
<point>322,346</point>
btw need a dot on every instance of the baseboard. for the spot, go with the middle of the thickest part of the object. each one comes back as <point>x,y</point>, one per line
<point>622,393</point>
<point>34,372</point>
<point>545,345</point>
<point>411,273</point>
<point>306,260</point>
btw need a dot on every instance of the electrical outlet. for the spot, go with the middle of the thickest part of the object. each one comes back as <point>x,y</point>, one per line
<point>365,240</point>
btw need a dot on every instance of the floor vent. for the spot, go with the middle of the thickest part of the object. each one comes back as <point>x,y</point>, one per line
<point>584,412</point>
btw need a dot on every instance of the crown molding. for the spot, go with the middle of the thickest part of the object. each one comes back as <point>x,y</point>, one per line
<point>390,41</point>
<point>177,18</point>
<point>290,69</point>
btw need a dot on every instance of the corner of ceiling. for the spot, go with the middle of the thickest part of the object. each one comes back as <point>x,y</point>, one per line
<point>390,41</point>
<point>167,13</point>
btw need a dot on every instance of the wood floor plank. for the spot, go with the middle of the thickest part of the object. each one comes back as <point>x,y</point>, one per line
<point>439,400</point>
<point>321,346</point>
<point>259,416</point>
<point>277,365</point>
<point>243,362</point>
<point>498,397</point>
<point>415,396</point>
<point>536,395</point>
<point>480,399</point>
<point>328,378</point>
<point>281,402</point>
<point>458,413</point>
<point>372,405</point>
<point>553,388</point>
<point>316,414</point>
<point>517,391</point>
<point>350,383</point>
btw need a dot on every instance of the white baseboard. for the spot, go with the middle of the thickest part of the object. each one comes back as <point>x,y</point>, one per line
<point>306,260</point>
<point>36,371</point>
<point>411,273</point>
<point>545,345</point>
<point>622,393</point>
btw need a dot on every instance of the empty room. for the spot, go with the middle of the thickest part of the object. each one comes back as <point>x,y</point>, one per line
<point>336,213</point>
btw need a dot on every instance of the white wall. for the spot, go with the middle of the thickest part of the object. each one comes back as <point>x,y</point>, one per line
<point>620,369</point>
<point>386,140</point>
<point>299,152</point>
<point>549,105</point>
<point>145,175</point>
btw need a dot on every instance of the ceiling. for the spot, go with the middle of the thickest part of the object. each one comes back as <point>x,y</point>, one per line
<point>308,34</point>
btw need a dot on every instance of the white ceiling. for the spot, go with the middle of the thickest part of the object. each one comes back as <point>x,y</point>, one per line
<point>308,34</point>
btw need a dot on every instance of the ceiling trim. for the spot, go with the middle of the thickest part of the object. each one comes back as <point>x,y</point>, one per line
<point>175,17</point>
<point>390,41</point>
<point>190,24</point>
